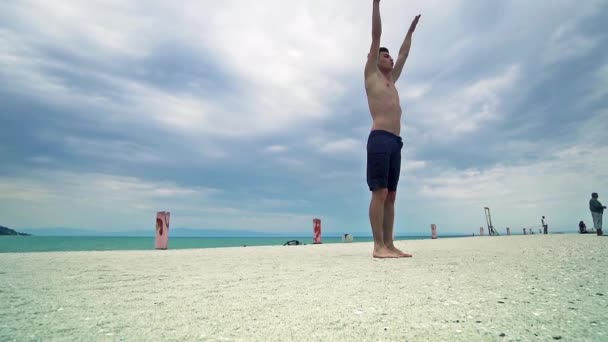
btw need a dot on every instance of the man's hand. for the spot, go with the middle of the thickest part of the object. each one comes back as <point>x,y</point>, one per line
<point>414,23</point>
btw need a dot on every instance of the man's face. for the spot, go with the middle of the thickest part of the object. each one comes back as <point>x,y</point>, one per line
<point>385,61</point>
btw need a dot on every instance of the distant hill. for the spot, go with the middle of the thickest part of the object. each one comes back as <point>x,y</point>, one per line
<point>7,231</point>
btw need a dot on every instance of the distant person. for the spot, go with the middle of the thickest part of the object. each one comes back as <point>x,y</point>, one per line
<point>597,210</point>
<point>545,226</point>
<point>582,228</point>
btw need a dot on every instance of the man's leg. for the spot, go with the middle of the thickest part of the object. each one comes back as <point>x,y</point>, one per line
<point>389,218</point>
<point>376,217</point>
<point>388,225</point>
<point>597,222</point>
<point>389,205</point>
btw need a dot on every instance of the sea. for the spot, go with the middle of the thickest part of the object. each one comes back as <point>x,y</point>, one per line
<point>27,244</point>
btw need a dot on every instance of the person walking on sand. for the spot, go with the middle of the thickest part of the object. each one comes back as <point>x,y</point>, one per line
<point>597,210</point>
<point>384,143</point>
<point>545,225</point>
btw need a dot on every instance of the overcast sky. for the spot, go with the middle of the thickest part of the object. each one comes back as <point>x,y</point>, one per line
<point>243,114</point>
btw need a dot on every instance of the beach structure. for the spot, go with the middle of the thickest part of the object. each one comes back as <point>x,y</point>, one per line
<point>491,230</point>
<point>316,230</point>
<point>162,230</point>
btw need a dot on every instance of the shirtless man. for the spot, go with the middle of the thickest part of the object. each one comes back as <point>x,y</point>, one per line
<point>384,143</point>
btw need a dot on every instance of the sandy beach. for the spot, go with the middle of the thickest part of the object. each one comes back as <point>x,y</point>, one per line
<point>507,288</point>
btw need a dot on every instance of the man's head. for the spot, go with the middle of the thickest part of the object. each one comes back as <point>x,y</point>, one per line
<point>594,195</point>
<point>385,61</point>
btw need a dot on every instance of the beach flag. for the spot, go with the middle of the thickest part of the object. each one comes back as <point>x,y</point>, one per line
<point>162,229</point>
<point>433,231</point>
<point>316,224</point>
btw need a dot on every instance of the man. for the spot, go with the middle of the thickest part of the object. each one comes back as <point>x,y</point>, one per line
<point>597,210</point>
<point>384,143</point>
<point>544,223</point>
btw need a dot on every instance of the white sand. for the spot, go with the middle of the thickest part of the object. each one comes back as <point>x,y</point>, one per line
<point>529,288</point>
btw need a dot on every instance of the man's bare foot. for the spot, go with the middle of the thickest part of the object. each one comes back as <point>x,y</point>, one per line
<point>384,253</point>
<point>399,252</point>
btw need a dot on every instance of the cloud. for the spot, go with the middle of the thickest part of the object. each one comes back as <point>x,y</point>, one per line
<point>567,43</point>
<point>342,146</point>
<point>96,200</point>
<point>276,149</point>
<point>465,109</point>
<point>125,151</point>
<point>559,187</point>
<point>413,165</point>
<point>597,89</point>
<point>415,91</point>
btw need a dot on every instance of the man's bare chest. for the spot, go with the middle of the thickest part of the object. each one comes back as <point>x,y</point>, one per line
<point>383,89</point>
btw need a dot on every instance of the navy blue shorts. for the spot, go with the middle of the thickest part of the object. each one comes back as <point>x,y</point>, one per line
<point>383,160</point>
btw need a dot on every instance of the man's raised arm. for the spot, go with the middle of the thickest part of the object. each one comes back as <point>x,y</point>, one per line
<point>404,51</point>
<point>372,58</point>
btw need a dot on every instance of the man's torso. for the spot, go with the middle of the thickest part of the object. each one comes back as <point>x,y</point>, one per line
<point>383,100</point>
<point>595,206</point>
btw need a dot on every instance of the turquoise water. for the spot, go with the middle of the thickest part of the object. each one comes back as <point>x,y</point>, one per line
<point>21,244</point>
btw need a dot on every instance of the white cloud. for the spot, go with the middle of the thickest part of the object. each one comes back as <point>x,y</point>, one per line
<point>289,75</point>
<point>96,201</point>
<point>560,184</point>
<point>97,187</point>
<point>414,91</point>
<point>464,110</point>
<point>112,150</point>
<point>597,89</point>
<point>413,165</point>
<point>343,146</point>
<point>276,148</point>
<point>93,30</point>
<point>567,42</point>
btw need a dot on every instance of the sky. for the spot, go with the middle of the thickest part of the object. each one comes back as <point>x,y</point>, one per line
<point>252,115</point>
